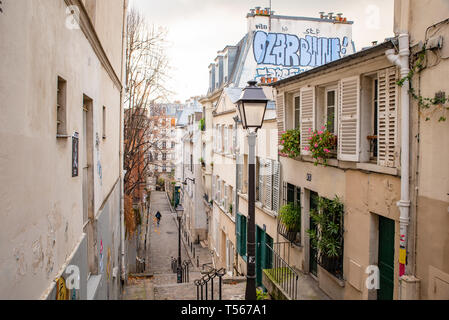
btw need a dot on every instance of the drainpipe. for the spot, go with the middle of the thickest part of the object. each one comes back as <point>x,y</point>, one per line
<point>121,148</point>
<point>402,60</point>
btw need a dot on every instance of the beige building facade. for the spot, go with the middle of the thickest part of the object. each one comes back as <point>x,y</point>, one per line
<point>387,234</point>
<point>61,81</point>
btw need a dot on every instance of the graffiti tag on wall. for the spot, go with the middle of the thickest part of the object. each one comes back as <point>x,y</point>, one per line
<point>293,54</point>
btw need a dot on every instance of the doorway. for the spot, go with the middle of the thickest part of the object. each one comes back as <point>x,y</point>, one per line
<point>263,255</point>
<point>313,260</point>
<point>386,258</point>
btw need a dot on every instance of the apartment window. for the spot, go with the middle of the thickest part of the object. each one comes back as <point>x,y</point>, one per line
<point>61,108</point>
<point>164,168</point>
<point>164,145</point>
<point>331,107</point>
<point>297,118</point>
<point>268,183</point>
<point>104,122</point>
<point>164,157</point>
<point>172,144</point>
<point>230,149</point>
<point>191,163</point>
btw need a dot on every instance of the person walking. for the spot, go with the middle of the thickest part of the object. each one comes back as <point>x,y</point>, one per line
<point>158,217</point>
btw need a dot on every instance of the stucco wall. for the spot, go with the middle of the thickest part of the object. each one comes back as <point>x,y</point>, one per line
<point>42,204</point>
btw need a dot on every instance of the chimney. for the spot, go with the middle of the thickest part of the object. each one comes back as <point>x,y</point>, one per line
<point>322,15</point>
<point>331,15</point>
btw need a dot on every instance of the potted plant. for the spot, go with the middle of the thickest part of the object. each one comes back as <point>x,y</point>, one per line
<point>327,238</point>
<point>321,144</point>
<point>290,217</point>
<point>202,124</point>
<point>290,144</point>
<point>203,163</point>
<point>230,208</point>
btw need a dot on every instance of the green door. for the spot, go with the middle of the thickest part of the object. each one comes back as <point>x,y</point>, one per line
<point>313,264</point>
<point>386,258</point>
<point>263,256</point>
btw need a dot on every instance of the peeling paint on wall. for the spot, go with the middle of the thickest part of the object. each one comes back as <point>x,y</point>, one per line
<point>21,267</point>
<point>38,255</point>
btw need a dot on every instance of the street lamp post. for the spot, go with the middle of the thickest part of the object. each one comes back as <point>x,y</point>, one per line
<point>252,107</point>
<point>179,213</point>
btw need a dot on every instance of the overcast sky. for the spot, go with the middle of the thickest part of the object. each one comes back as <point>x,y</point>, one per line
<point>199,28</point>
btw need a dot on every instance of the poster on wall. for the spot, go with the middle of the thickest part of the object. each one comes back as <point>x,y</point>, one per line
<point>75,157</point>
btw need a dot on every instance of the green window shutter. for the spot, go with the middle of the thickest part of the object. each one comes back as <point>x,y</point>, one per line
<point>244,239</point>
<point>238,233</point>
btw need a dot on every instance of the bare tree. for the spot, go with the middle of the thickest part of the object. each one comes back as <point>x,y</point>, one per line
<point>146,74</point>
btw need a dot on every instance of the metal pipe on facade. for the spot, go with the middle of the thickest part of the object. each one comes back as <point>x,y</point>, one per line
<point>402,61</point>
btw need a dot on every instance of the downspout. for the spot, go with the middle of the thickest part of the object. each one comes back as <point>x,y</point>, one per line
<point>121,147</point>
<point>402,61</point>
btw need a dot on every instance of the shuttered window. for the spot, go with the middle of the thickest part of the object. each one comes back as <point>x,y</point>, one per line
<point>387,117</point>
<point>349,116</point>
<point>268,177</point>
<point>259,177</point>
<point>280,114</point>
<point>307,116</point>
<point>225,140</point>
<point>226,197</point>
<point>276,186</point>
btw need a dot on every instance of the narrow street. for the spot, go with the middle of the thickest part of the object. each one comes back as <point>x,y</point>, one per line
<point>159,282</point>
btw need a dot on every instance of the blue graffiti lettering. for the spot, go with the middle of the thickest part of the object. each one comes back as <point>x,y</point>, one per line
<point>279,49</point>
<point>291,52</point>
<point>288,50</point>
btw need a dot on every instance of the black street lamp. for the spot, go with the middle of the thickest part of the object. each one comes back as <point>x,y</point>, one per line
<point>252,106</point>
<point>179,212</point>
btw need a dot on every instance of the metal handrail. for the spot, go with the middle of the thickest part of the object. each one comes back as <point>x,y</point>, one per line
<point>284,275</point>
<point>204,281</point>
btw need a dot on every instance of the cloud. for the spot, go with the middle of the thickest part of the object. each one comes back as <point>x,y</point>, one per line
<point>198,29</point>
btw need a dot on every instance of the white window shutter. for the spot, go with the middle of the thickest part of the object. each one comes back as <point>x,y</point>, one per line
<point>276,185</point>
<point>307,111</point>
<point>226,197</point>
<point>268,184</point>
<point>261,173</point>
<point>214,188</point>
<point>214,137</point>
<point>225,139</point>
<point>387,117</point>
<point>349,120</point>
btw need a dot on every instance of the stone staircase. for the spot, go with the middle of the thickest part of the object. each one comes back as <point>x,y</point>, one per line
<point>166,288</point>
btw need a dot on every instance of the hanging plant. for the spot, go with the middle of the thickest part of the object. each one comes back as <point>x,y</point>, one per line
<point>321,144</point>
<point>440,103</point>
<point>291,143</point>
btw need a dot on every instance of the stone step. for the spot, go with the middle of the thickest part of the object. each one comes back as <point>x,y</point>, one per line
<point>188,291</point>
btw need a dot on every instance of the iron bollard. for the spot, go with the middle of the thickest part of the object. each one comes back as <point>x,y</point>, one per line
<point>197,262</point>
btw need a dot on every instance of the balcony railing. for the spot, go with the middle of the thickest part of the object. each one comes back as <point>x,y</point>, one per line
<point>284,276</point>
<point>292,236</point>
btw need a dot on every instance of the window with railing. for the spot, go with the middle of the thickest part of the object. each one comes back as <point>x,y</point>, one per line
<point>290,214</point>
<point>327,235</point>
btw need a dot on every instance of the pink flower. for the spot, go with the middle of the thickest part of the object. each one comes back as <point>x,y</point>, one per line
<point>323,128</point>
<point>326,150</point>
<point>316,145</point>
<point>310,138</point>
<point>310,130</point>
<point>306,148</point>
<point>321,132</point>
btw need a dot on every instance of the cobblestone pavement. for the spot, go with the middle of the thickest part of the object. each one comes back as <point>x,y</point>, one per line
<point>163,240</point>
<point>162,245</point>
